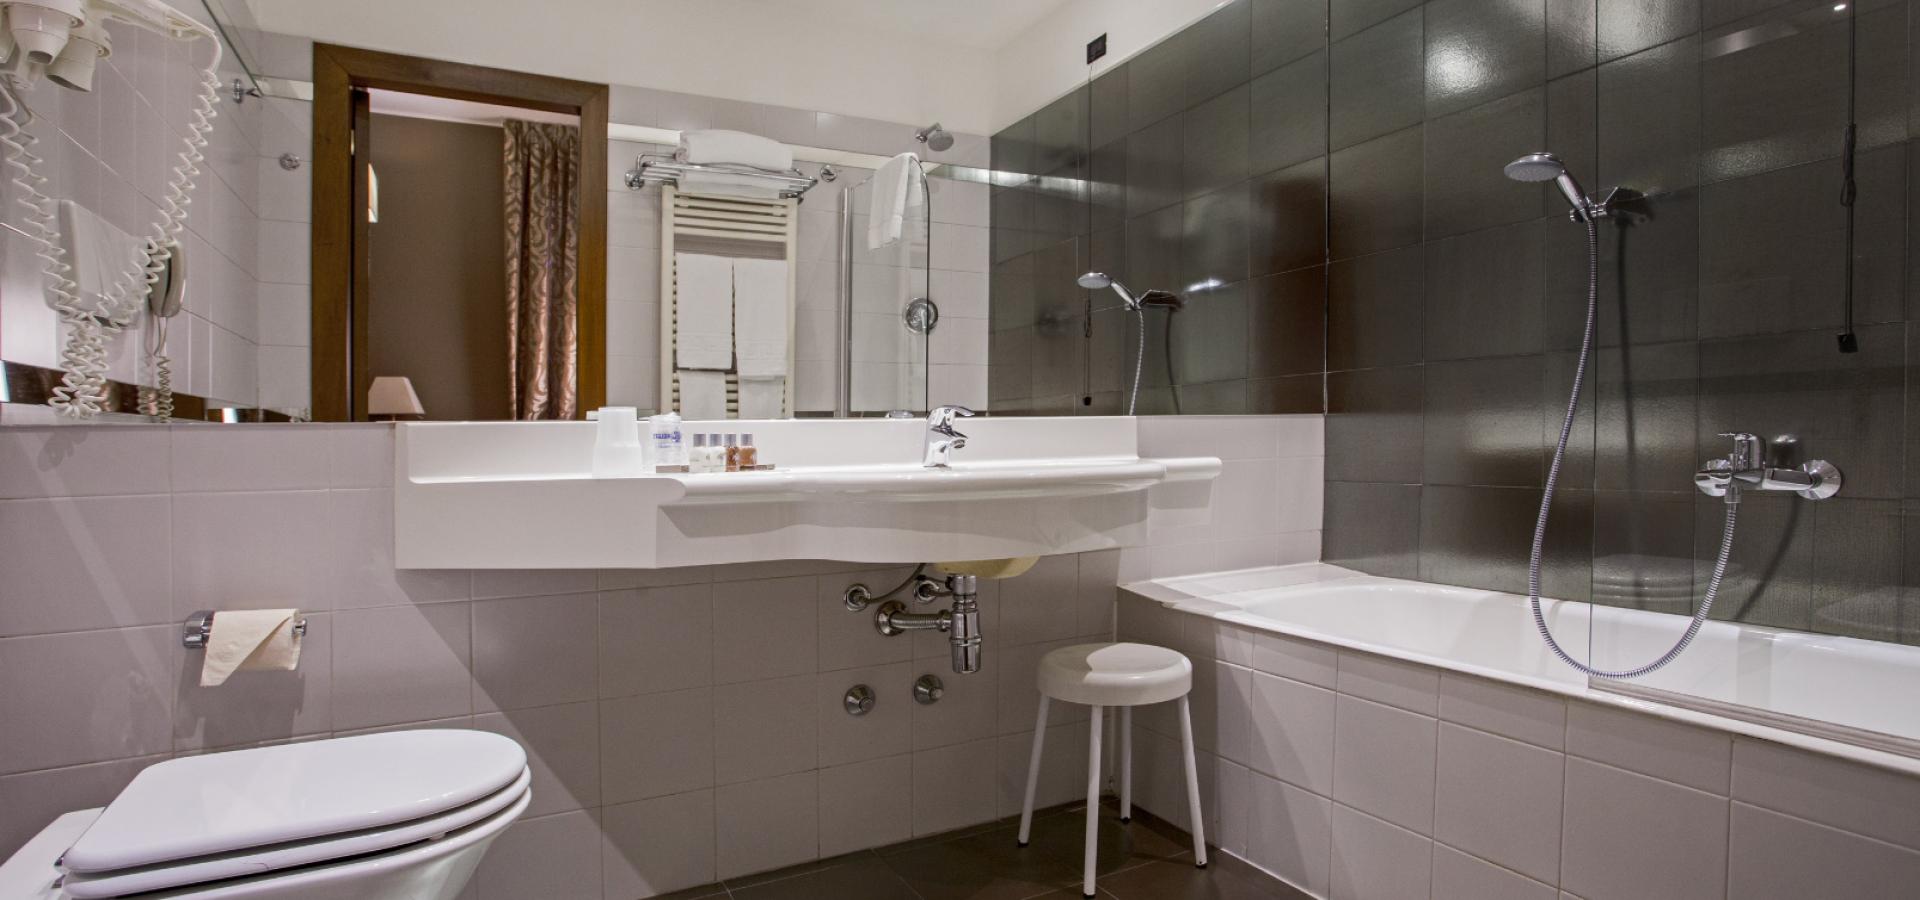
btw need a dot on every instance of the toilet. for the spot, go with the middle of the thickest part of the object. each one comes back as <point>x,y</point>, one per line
<point>395,816</point>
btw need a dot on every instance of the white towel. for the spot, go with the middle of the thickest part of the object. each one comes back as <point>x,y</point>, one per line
<point>719,146</point>
<point>760,316</point>
<point>703,395</point>
<point>705,327</point>
<point>763,398</point>
<point>728,185</point>
<point>250,639</point>
<point>896,190</point>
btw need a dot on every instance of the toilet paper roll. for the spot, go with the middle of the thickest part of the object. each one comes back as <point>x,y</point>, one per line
<point>250,639</point>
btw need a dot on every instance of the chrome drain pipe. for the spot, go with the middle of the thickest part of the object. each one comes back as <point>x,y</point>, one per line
<point>960,623</point>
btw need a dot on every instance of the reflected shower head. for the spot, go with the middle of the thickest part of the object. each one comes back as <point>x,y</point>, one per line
<point>936,138</point>
<point>1094,281</point>
<point>1543,166</point>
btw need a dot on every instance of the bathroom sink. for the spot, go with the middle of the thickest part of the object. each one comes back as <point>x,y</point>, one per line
<point>522,495</point>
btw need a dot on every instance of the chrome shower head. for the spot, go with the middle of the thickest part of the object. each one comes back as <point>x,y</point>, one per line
<point>1543,166</point>
<point>936,138</point>
<point>1095,281</point>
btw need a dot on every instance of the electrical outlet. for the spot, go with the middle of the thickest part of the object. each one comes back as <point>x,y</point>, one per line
<point>1096,48</point>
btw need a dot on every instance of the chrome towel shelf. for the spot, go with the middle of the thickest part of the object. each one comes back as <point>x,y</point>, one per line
<point>199,626</point>
<point>652,169</point>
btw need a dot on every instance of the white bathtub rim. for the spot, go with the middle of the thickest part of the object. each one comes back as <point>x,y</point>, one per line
<point>1222,607</point>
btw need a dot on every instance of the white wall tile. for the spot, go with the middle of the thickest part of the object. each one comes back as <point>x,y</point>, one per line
<point>1039,606</point>
<point>653,745</point>
<point>1411,687</point>
<point>251,551</point>
<point>1777,857</point>
<point>756,634</point>
<point>252,707</point>
<point>563,751</point>
<point>1849,796</point>
<point>1384,762</point>
<point>74,564</point>
<point>360,528</point>
<point>968,711</point>
<point>764,728</point>
<point>1292,734</point>
<point>77,462</point>
<point>1289,657</point>
<point>554,857</point>
<point>1630,836</point>
<point>866,804</point>
<point>885,730</point>
<point>32,800</point>
<point>848,639</point>
<point>1289,833</point>
<point>1016,669</point>
<point>1460,876</point>
<point>1063,768</point>
<point>1667,750</point>
<point>765,825</point>
<point>257,458</point>
<point>1373,858</point>
<point>1500,800</point>
<point>533,651</point>
<point>492,584</point>
<point>656,639</point>
<point>90,696</point>
<point>937,806</point>
<point>1535,717</point>
<point>426,648</point>
<point>660,845</point>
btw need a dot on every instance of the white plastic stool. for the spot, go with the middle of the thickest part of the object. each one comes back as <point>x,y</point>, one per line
<point>1126,676</point>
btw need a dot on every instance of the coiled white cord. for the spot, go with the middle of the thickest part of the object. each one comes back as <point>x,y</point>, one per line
<point>90,325</point>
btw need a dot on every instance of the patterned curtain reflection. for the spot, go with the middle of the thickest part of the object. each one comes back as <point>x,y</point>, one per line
<point>543,243</point>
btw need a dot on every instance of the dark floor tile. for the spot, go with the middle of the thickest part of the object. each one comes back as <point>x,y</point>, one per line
<point>1120,847</point>
<point>1285,30</point>
<point>1288,109</point>
<point>1287,323</point>
<point>1478,50</point>
<point>1287,218</point>
<point>1650,118</point>
<point>1484,293</point>
<point>1374,424</point>
<point>1374,84</point>
<point>1215,152</point>
<point>1350,16</point>
<point>1156,84</point>
<point>1372,528</point>
<point>1373,192</point>
<point>694,893</point>
<point>1154,167</point>
<point>1215,51</point>
<point>1375,310</point>
<point>1181,881</point>
<point>1466,187</point>
<point>985,866</point>
<point>1629,26</point>
<point>866,878</point>
<point>1483,422</point>
<point>1213,238</point>
<point>1572,37</point>
<point>1643,551</point>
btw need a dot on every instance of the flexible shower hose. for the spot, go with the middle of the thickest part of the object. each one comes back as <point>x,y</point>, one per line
<point>1139,358</point>
<point>1553,478</point>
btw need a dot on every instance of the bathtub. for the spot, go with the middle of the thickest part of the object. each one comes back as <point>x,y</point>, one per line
<point>1845,697</point>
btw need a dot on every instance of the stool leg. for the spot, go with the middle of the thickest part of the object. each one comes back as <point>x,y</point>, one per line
<point>1126,764</point>
<point>1193,788</point>
<point>1033,771</point>
<point>1093,802</point>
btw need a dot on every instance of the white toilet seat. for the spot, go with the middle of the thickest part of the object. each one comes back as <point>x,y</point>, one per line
<point>293,854</point>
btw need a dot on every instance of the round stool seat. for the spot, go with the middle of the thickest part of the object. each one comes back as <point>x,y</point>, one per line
<point>1115,674</point>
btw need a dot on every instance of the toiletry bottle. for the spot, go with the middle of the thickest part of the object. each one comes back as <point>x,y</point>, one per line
<point>697,455</point>
<point>665,440</point>
<point>715,459</point>
<point>733,453</point>
<point>749,457</point>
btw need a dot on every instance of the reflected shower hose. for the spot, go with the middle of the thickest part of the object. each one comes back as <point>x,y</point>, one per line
<point>1553,478</point>
<point>1139,359</point>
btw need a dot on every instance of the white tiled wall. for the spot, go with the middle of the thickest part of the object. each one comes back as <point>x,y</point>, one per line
<point>685,725</point>
<point>112,151</point>
<point>1353,775</point>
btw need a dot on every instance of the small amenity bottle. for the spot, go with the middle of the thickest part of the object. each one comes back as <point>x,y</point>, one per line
<point>697,454</point>
<point>732,453</point>
<point>749,457</point>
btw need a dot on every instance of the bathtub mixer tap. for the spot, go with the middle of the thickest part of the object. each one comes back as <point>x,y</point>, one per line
<point>1744,468</point>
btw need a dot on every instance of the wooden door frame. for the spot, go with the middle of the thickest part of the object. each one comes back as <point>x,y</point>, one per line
<point>338,362</point>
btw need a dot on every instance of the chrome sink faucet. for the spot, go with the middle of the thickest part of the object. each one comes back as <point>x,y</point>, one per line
<point>1745,469</point>
<point>942,439</point>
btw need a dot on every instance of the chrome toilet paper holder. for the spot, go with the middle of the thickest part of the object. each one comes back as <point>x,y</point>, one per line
<point>199,626</point>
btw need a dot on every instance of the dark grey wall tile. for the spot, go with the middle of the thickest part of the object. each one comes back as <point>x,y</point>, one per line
<point>1110,350</point>
<point>1480,537</point>
<point>1479,50</point>
<point>1650,115</point>
<point>1646,401</point>
<point>1210,337</point>
<point>1288,394</point>
<point>1213,239</point>
<point>1287,323</point>
<point>1010,294</point>
<point>1215,134</point>
<point>1372,528</point>
<point>1011,150</point>
<point>1287,218</point>
<point>1466,157</point>
<point>1483,422</point>
<point>1576,465</point>
<point>1216,52</point>
<point>1153,250</point>
<point>1484,293</point>
<point>1350,16</point>
<point>1216,398</point>
<point>1573,111</point>
<point>1629,26</point>
<point>1857,550</point>
<point>1156,84</point>
<point>1376,310</point>
<point>1769,576</point>
<point>1374,427</point>
<point>1010,366</point>
<point>1285,30</point>
<point>1376,81</point>
<point>1643,551</point>
<point>1060,132</point>
<point>1289,115</point>
<point>1107,187</point>
<point>1373,193</point>
<point>1012,212</point>
<point>1154,156</point>
<point>1572,36</point>
<point>1060,209</point>
<point>1845,407</point>
<point>1649,275</point>
<point>1107,108</point>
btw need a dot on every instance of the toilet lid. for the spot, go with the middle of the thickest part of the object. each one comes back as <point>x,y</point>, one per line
<point>276,857</point>
<point>223,802</point>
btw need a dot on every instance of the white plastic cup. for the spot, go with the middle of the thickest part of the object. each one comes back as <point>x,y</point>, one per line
<point>617,450</point>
